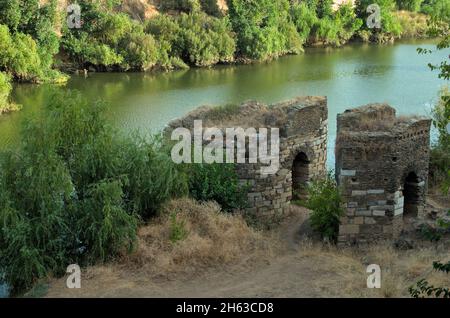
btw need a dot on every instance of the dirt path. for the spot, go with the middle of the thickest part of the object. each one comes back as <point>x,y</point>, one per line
<point>287,275</point>
<point>296,270</point>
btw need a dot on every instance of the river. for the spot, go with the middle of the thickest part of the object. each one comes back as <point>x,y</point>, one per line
<point>351,76</point>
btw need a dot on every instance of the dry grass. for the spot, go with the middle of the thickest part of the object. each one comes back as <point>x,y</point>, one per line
<point>212,238</point>
<point>222,257</point>
<point>345,276</point>
<point>413,24</point>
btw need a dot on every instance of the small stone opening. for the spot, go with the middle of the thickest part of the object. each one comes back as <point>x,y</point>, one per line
<point>300,176</point>
<point>411,195</point>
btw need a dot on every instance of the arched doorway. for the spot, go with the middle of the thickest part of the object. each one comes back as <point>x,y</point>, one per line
<point>300,176</point>
<point>411,195</point>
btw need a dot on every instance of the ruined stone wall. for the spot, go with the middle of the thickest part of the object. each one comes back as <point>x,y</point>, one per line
<point>302,124</point>
<point>304,131</point>
<point>375,154</point>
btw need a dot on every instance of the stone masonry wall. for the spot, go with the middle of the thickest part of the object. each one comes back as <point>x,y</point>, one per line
<point>377,156</point>
<point>302,124</point>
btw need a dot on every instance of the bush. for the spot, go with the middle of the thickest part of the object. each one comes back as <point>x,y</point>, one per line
<point>218,182</point>
<point>440,152</point>
<point>28,42</point>
<point>333,28</point>
<point>324,200</point>
<point>410,5</point>
<point>304,19</point>
<point>207,40</point>
<point>390,26</point>
<point>424,289</point>
<point>181,5</point>
<point>75,190</point>
<point>263,28</point>
<point>439,9</point>
<point>109,40</point>
<point>195,38</point>
<point>178,231</point>
<point>5,90</point>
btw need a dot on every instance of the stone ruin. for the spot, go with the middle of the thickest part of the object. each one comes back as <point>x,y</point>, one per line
<point>381,161</point>
<point>382,168</point>
<point>302,124</point>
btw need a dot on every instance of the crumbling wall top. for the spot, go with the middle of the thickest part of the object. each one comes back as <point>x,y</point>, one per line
<point>301,115</point>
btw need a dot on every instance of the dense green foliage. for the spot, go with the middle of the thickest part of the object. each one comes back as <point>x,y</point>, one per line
<point>316,22</point>
<point>196,39</point>
<point>28,42</point>
<point>178,231</point>
<point>5,89</point>
<point>199,34</point>
<point>438,9</point>
<point>390,26</point>
<point>109,40</point>
<point>324,200</point>
<point>263,28</point>
<point>75,190</point>
<point>218,182</point>
<point>410,5</point>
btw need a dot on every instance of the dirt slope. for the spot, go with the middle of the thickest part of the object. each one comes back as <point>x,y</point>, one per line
<point>299,268</point>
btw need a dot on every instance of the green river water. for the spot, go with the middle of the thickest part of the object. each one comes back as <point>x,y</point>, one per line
<point>351,76</point>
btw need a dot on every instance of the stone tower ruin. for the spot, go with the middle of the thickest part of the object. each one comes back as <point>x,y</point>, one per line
<point>302,124</point>
<point>382,168</point>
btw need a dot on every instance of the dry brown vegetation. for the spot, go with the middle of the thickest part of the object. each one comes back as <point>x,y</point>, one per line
<point>212,238</point>
<point>222,257</point>
<point>414,24</point>
<point>345,269</point>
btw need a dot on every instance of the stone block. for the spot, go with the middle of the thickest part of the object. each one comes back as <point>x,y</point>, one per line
<point>363,213</point>
<point>378,212</point>
<point>375,191</point>
<point>358,192</point>
<point>348,229</point>
<point>348,173</point>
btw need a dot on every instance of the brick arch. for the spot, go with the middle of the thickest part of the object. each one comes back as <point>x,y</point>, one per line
<point>412,188</point>
<point>287,164</point>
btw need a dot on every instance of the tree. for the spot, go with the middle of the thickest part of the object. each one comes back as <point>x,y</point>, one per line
<point>263,28</point>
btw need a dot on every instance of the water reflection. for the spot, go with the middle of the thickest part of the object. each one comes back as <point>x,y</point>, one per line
<point>350,76</point>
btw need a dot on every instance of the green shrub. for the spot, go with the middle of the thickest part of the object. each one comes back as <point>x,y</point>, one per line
<point>5,89</point>
<point>324,200</point>
<point>304,19</point>
<point>181,5</point>
<point>207,40</point>
<point>334,28</point>
<point>195,38</point>
<point>390,25</point>
<point>178,231</point>
<point>28,42</point>
<point>440,152</point>
<point>440,9</point>
<point>263,28</point>
<point>424,289</point>
<point>324,8</point>
<point>347,21</point>
<point>109,40</point>
<point>218,182</point>
<point>211,7</point>
<point>75,189</point>
<point>409,5</point>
